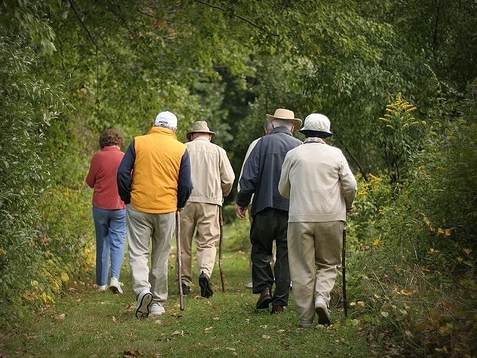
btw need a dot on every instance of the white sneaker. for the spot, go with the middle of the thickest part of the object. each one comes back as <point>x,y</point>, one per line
<point>156,309</point>
<point>101,288</point>
<point>249,285</point>
<point>115,286</point>
<point>322,311</point>
<point>144,300</point>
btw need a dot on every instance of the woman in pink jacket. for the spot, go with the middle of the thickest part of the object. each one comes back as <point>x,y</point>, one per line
<point>109,211</point>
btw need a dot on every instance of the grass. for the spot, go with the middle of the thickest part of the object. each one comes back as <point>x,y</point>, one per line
<point>87,323</point>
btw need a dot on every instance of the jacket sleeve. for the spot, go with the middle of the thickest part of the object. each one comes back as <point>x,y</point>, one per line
<point>185,186</point>
<point>284,183</point>
<point>227,175</point>
<point>349,186</point>
<point>249,177</point>
<point>124,178</point>
<point>91,176</point>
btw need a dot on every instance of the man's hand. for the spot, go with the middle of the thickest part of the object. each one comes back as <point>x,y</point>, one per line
<point>240,212</point>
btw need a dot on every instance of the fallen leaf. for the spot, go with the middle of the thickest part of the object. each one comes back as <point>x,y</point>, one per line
<point>266,336</point>
<point>132,353</point>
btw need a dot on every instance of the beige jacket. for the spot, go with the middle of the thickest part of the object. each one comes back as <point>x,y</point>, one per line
<point>319,183</point>
<point>212,173</point>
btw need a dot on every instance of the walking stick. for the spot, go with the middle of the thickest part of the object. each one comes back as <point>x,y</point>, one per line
<point>179,262</point>
<point>343,268</point>
<point>221,218</point>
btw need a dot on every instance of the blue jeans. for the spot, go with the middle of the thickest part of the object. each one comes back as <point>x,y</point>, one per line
<point>110,226</point>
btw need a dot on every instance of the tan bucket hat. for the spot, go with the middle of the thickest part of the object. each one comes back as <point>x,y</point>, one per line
<point>199,127</point>
<point>286,115</point>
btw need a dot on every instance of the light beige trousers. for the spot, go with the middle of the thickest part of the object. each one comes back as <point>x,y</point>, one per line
<point>199,221</point>
<point>313,254</point>
<point>149,234</point>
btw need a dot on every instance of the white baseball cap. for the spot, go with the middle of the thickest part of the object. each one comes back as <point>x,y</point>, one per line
<point>166,119</point>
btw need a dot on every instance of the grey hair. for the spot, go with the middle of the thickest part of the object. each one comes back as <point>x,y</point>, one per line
<point>282,123</point>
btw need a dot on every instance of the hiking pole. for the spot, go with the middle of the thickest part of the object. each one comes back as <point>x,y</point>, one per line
<point>343,268</point>
<point>221,218</point>
<point>179,262</point>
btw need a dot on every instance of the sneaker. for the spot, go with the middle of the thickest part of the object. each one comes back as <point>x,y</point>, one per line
<point>101,288</point>
<point>249,285</point>
<point>144,300</point>
<point>156,309</point>
<point>322,311</point>
<point>115,286</point>
<point>205,287</point>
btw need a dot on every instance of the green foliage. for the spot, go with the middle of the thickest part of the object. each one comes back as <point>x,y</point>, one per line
<point>412,246</point>
<point>29,275</point>
<point>401,136</point>
<point>28,104</point>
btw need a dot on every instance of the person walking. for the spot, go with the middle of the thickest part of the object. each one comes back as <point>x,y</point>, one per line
<point>213,177</point>
<point>321,187</point>
<point>154,180</point>
<point>267,128</point>
<point>109,211</point>
<point>269,211</point>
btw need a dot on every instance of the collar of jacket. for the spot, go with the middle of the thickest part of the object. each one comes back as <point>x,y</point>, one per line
<point>162,131</point>
<point>314,140</point>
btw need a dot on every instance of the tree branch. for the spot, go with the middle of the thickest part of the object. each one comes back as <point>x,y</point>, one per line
<point>84,26</point>
<point>237,16</point>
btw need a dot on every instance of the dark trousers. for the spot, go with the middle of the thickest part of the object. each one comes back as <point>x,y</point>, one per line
<point>267,226</point>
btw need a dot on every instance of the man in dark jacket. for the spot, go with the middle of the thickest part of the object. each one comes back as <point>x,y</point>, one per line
<point>261,173</point>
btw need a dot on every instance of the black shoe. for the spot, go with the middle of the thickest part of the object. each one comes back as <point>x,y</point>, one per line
<point>185,289</point>
<point>205,287</point>
<point>277,309</point>
<point>265,299</point>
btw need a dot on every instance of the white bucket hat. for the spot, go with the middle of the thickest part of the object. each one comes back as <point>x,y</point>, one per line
<point>286,115</point>
<point>318,124</point>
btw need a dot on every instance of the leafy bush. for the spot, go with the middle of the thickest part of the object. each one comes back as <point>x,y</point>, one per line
<point>412,270</point>
<point>28,105</point>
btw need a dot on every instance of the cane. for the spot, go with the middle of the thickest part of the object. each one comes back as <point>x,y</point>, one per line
<point>179,262</point>
<point>221,218</point>
<point>343,268</point>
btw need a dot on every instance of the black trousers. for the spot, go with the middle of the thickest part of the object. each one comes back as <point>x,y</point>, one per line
<point>267,226</point>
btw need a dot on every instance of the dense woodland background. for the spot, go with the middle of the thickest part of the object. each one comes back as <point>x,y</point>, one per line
<point>397,78</point>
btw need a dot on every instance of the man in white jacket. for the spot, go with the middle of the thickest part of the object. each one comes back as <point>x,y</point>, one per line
<point>213,177</point>
<point>321,187</point>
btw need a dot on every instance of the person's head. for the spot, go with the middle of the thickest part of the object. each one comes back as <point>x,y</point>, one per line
<point>200,129</point>
<point>166,119</point>
<point>267,127</point>
<point>316,125</point>
<point>284,118</point>
<point>111,137</point>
